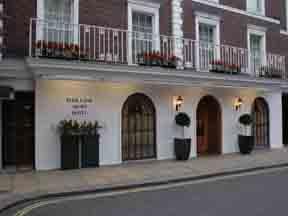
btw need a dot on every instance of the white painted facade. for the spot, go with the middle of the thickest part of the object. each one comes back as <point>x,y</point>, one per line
<point>108,99</point>
<point>162,87</point>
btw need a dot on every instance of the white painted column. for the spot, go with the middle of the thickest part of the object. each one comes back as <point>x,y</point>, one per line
<point>177,28</point>
<point>275,110</point>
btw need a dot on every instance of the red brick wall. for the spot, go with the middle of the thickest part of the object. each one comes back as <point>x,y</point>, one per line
<point>165,15</point>
<point>240,4</point>
<point>233,26</point>
<point>113,13</point>
<point>109,13</point>
<point>19,12</point>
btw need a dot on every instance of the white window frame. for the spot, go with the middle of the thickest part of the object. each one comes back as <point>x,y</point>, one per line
<point>216,1</point>
<point>263,8</point>
<point>259,31</point>
<point>41,16</point>
<point>143,7</point>
<point>211,20</point>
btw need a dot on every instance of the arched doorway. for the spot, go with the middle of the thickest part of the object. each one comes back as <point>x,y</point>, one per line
<point>138,128</point>
<point>209,126</point>
<point>260,130</point>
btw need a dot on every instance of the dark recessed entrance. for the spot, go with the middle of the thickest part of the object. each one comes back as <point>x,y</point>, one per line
<point>138,128</point>
<point>18,131</point>
<point>260,113</point>
<point>209,126</point>
<point>285,118</point>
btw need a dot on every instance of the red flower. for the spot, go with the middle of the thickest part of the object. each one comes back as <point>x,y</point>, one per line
<point>173,58</point>
<point>39,44</point>
<point>54,45</point>
<point>44,44</point>
<point>60,46</point>
<point>76,47</point>
<point>66,46</point>
<point>50,45</point>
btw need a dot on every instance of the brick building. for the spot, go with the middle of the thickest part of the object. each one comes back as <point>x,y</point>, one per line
<point>134,61</point>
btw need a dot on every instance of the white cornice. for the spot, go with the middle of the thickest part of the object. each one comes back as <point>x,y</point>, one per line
<point>284,32</point>
<point>144,3</point>
<point>238,11</point>
<point>91,71</point>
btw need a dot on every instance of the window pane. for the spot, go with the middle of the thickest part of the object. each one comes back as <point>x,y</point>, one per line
<point>59,16</point>
<point>206,33</point>
<point>254,6</point>
<point>142,26</point>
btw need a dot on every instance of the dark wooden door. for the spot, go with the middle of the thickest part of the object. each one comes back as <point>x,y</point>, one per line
<point>260,113</point>
<point>209,126</point>
<point>18,128</point>
<point>138,128</point>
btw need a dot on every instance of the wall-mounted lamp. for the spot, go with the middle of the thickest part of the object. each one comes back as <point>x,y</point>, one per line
<point>179,102</point>
<point>237,103</point>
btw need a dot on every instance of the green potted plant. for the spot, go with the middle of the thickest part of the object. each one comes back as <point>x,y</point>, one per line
<point>69,131</point>
<point>245,139</point>
<point>182,146</point>
<point>90,144</point>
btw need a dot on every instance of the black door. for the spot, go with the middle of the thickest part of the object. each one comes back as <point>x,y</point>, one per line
<point>285,118</point>
<point>18,130</point>
<point>138,128</point>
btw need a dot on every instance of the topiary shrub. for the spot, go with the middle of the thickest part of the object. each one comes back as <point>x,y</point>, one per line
<point>182,119</point>
<point>182,146</point>
<point>246,141</point>
<point>246,120</point>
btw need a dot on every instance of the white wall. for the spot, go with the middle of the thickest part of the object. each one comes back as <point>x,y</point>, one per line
<point>274,100</point>
<point>108,99</point>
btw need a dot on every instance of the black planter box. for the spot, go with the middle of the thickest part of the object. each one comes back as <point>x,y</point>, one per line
<point>69,152</point>
<point>90,151</point>
<point>246,144</point>
<point>182,148</point>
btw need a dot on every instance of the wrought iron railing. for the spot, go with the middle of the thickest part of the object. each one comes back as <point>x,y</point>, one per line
<point>52,39</point>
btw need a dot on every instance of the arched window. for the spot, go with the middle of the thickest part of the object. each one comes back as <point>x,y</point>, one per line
<point>209,126</point>
<point>138,128</point>
<point>260,113</point>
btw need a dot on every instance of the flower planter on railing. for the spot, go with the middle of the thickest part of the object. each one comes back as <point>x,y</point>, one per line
<point>156,59</point>
<point>270,72</point>
<point>58,50</point>
<point>222,67</point>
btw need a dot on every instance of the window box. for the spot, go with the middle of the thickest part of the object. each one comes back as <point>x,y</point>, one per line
<point>270,72</point>
<point>222,67</point>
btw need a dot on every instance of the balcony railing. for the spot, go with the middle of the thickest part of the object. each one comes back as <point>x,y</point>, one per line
<point>52,39</point>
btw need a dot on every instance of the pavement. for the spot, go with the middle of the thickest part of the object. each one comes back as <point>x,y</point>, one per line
<point>260,194</point>
<point>18,187</point>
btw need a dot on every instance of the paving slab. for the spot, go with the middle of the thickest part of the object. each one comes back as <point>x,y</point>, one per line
<point>20,186</point>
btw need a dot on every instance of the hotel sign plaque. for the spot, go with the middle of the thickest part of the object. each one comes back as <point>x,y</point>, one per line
<point>79,105</point>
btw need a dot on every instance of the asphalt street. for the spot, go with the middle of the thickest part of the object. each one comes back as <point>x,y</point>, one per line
<point>263,194</point>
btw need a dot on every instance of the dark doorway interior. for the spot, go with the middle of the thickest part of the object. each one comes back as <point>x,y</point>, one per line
<point>260,113</point>
<point>18,131</point>
<point>138,128</point>
<point>209,126</point>
<point>285,118</point>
